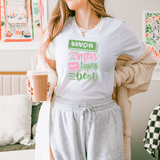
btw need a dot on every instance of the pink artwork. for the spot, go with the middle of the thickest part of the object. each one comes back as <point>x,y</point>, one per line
<point>21,20</point>
<point>151,36</point>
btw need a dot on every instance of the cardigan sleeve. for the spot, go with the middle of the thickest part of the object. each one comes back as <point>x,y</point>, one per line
<point>131,45</point>
<point>137,73</point>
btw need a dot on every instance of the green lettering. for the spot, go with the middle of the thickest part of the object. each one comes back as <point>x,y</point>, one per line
<point>80,44</point>
<point>79,76</point>
<point>95,76</point>
<point>84,75</point>
<point>89,77</point>
<point>83,46</point>
<point>73,43</point>
<point>90,45</point>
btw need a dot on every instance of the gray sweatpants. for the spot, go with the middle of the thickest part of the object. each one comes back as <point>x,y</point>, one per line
<point>86,130</point>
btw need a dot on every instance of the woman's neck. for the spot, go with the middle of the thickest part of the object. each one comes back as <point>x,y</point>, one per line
<point>86,19</point>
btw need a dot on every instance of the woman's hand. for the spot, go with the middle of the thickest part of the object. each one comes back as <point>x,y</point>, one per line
<point>114,93</point>
<point>30,89</point>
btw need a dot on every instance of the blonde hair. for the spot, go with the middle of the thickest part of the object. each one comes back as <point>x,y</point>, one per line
<point>57,19</point>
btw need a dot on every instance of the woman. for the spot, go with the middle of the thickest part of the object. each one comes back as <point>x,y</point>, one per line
<point>82,44</point>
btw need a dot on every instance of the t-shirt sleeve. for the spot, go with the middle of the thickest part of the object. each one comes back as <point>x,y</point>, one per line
<point>50,53</point>
<point>130,43</point>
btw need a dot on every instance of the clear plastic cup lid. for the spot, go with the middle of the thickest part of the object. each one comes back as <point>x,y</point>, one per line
<point>37,72</point>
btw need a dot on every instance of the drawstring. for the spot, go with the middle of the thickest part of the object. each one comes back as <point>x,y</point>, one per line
<point>89,109</point>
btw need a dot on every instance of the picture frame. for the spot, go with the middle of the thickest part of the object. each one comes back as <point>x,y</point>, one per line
<point>151,36</point>
<point>22,24</point>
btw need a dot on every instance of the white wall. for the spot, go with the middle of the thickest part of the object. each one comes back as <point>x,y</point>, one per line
<point>142,103</point>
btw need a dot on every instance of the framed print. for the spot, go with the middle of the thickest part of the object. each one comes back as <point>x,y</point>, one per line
<point>151,36</point>
<point>22,24</point>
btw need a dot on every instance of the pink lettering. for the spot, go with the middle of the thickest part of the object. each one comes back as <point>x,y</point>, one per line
<point>95,58</point>
<point>83,56</point>
<point>73,66</point>
<point>91,57</point>
<point>88,55</point>
<point>73,55</point>
<point>80,55</point>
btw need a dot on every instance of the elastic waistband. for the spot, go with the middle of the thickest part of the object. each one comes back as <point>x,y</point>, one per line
<point>83,106</point>
<point>97,103</point>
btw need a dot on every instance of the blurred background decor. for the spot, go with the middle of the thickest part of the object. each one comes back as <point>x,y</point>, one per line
<point>22,23</point>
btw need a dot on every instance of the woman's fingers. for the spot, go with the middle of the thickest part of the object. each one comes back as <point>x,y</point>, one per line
<point>48,86</point>
<point>28,85</point>
<point>30,97</point>
<point>28,82</point>
<point>29,89</point>
<point>30,94</point>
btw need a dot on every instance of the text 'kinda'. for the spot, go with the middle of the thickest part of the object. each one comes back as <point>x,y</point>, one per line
<point>83,45</point>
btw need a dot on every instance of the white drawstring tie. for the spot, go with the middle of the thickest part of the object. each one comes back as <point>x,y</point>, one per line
<point>89,109</point>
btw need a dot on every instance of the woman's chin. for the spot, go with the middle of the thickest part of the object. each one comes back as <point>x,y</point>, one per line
<point>71,7</point>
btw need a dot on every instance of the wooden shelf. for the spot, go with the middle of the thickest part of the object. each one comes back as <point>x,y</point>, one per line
<point>13,73</point>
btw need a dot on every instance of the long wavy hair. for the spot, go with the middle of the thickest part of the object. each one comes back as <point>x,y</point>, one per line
<point>57,19</point>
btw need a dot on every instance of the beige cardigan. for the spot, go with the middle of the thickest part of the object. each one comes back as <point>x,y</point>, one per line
<point>131,77</point>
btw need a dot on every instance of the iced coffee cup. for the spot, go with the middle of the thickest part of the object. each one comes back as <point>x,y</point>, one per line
<point>38,81</point>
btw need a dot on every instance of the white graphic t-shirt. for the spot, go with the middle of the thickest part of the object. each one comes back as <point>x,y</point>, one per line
<point>85,65</point>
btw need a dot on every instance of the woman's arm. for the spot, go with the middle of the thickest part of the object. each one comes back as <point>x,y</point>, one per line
<point>52,64</point>
<point>131,45</point>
